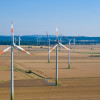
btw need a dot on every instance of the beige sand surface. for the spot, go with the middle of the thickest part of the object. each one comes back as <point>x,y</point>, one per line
<point>81,82</point>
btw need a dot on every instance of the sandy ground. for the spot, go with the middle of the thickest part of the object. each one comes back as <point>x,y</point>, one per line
<point>81,82</point>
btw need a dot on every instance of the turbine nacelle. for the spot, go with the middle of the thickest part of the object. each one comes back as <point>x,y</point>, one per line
<point>58,43</point>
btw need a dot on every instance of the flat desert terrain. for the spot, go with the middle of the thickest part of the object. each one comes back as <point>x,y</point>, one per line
<point>80,82</point>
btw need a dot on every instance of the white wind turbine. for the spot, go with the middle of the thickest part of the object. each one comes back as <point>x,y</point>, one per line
<point>48,48</point>
<point>19,40</point>
<point>12,46</point>
<point>56,46</point>
<point>15,40</point>
<point>69,50</point>
<point>37,40</point>
<point>60,47</point>
<point>74,42</point>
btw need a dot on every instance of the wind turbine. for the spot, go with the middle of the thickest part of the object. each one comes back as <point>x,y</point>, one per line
<point>15,40</point>
<point>37,40</point>
<point>74,42</point>
<point>12,46</point>
<point>69,50</point>
<point>48,48</point>
<point>56,46</point>
<point>19,40</point>
<point>70,40</point>
<point>60,47</point>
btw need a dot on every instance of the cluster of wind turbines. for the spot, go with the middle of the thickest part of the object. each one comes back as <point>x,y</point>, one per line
<point>18,40</point>
<point>56,46</point>
<point>49,51</point>
<point>38,40</point>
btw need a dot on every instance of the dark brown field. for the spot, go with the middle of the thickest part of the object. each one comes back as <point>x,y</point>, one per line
<point>81,82</point>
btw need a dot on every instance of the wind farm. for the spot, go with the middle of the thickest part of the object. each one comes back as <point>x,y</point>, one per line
<point>40,71</point>
<point>49,50</point>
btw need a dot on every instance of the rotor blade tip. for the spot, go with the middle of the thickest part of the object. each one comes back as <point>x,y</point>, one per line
<point>11,21</point>
<point>1,52</point>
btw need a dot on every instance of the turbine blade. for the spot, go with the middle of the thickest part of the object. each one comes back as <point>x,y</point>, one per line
<point>65,37</point>
<point>64,46</point>
<point>12,27</point>
<point>57,32</point>
<point>53,48</point>
<point>22,49</point>
<point>5,50</point>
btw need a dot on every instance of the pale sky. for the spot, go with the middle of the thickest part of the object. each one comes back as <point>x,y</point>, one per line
<point>73,17</point>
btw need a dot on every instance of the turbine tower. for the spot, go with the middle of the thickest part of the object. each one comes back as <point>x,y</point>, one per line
<point>15,40</point>
<point>12,46</point>
<point>37,41</point>
<point>56,46</point>
<point>19,40</point>
<point>74,42</point>
<point>48,48</point>
<point>60,47</point>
